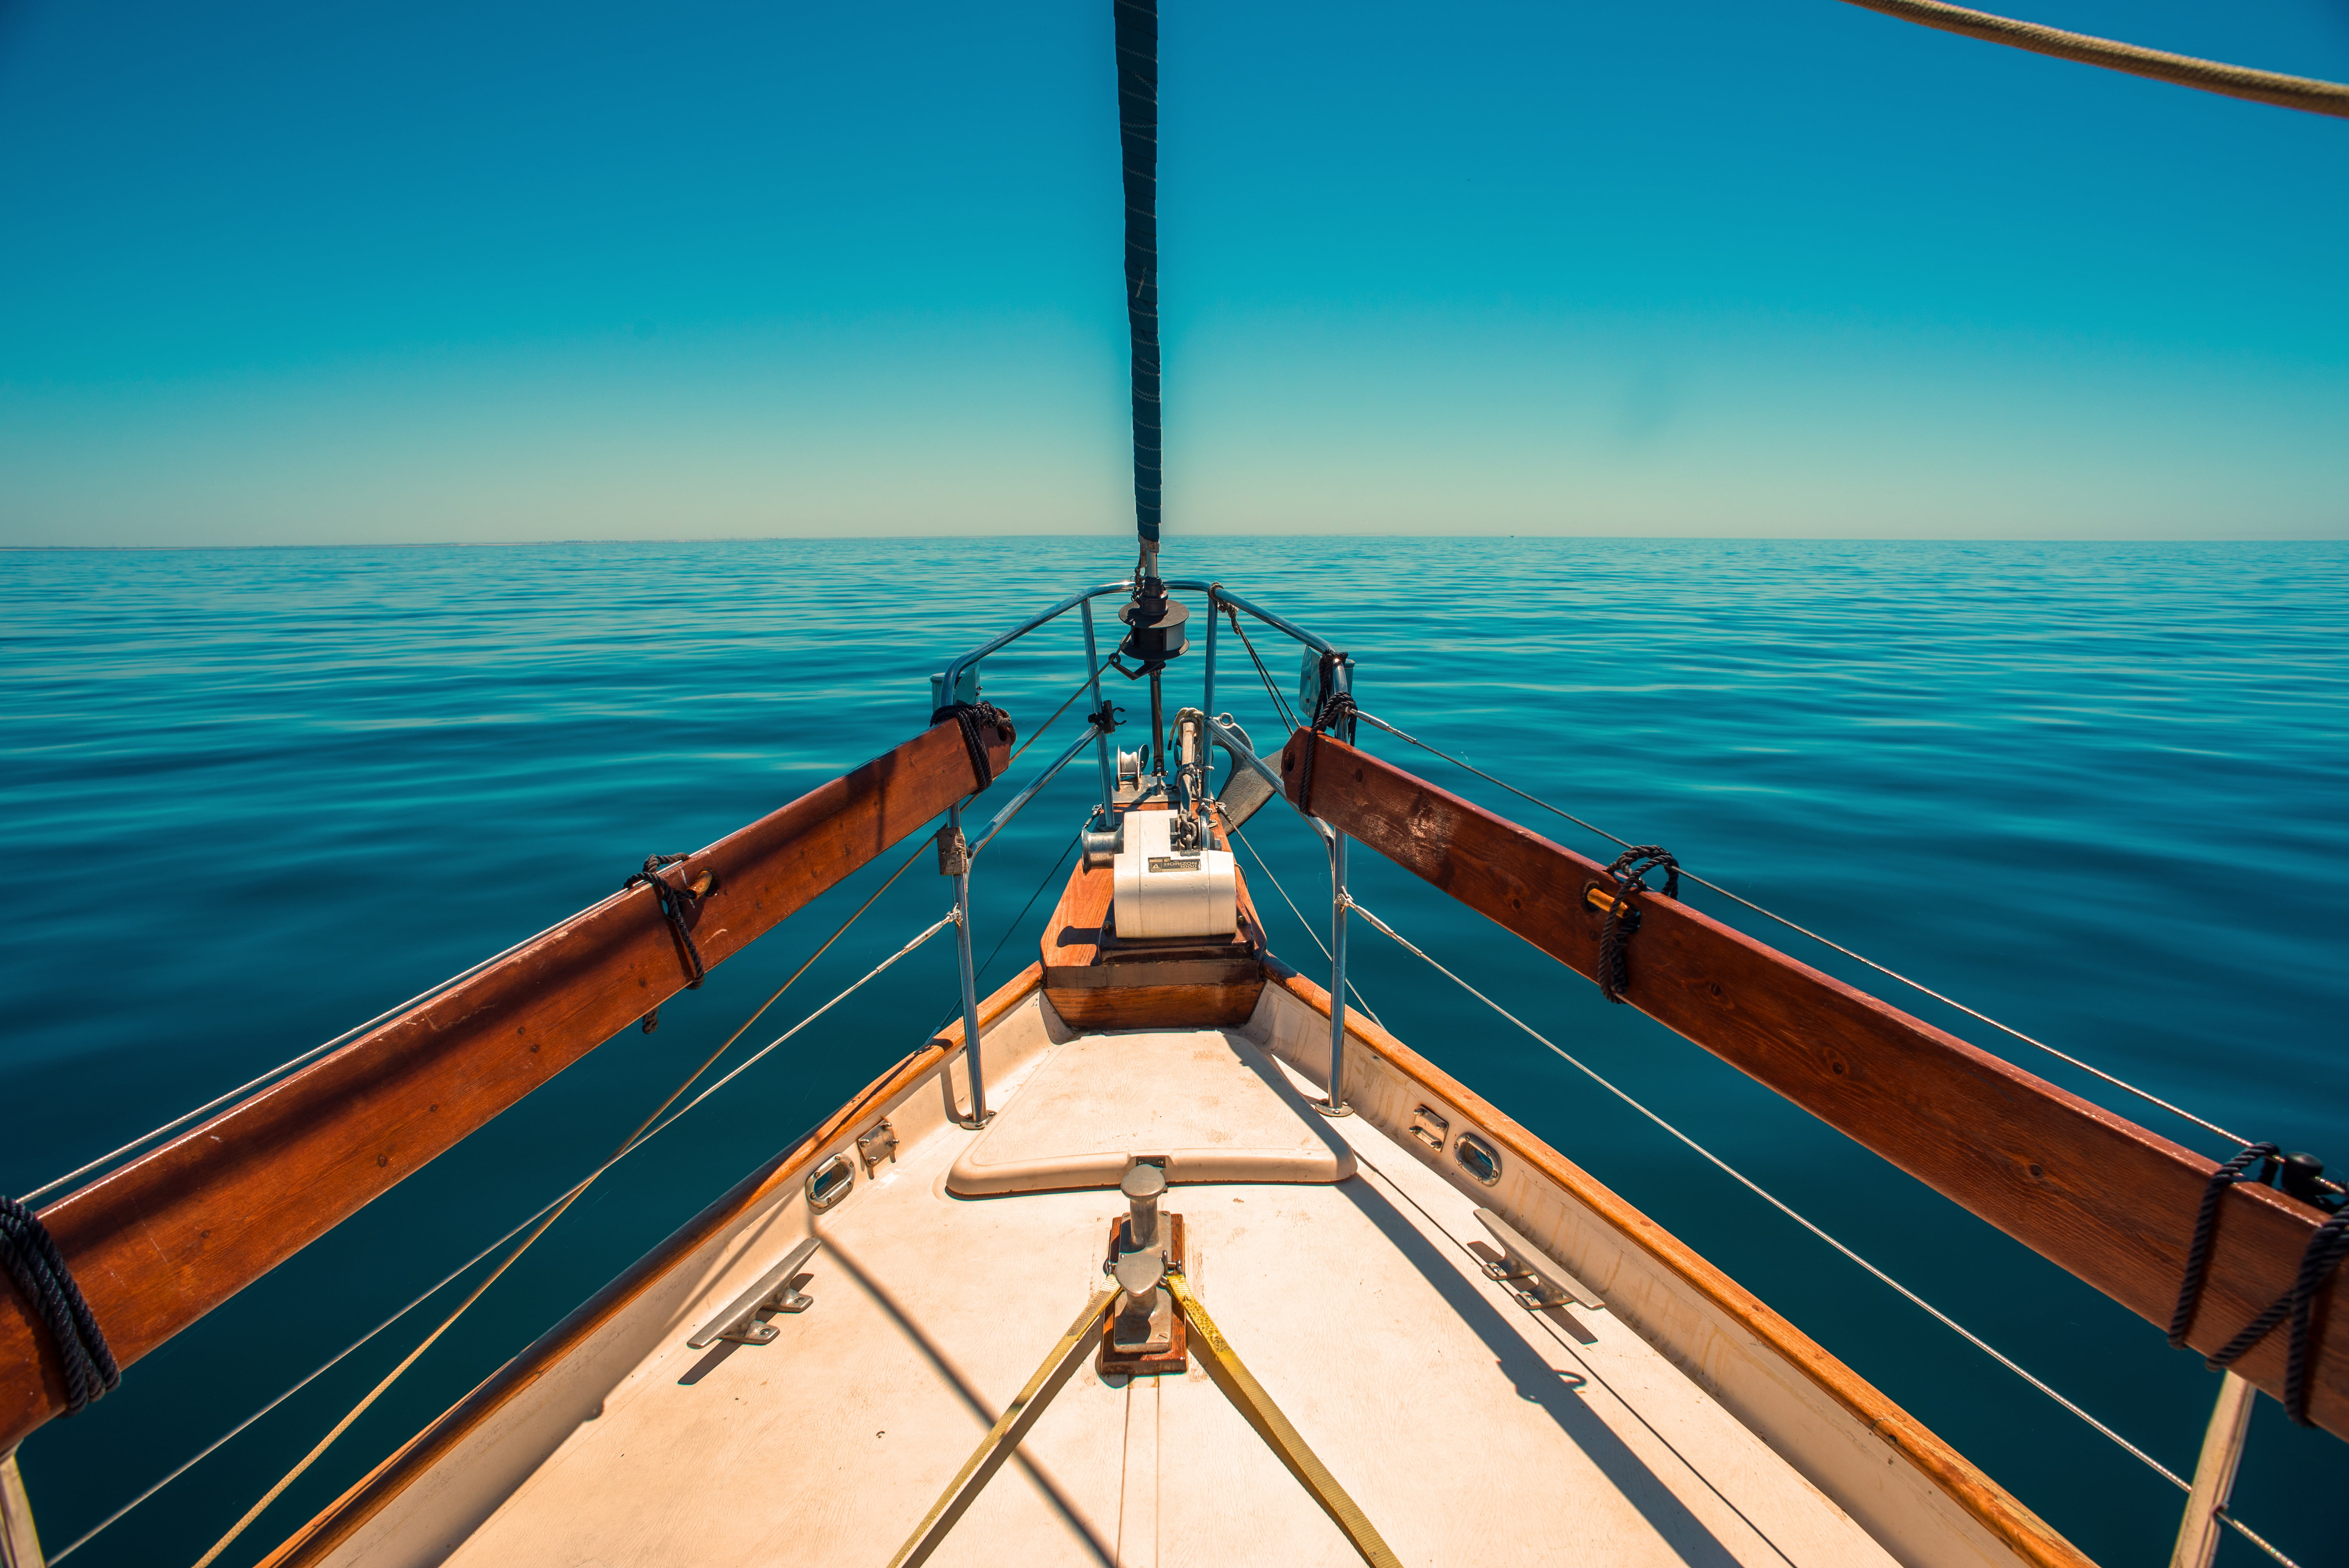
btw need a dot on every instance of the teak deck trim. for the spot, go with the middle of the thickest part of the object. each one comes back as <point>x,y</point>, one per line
<point>318,1539</point>
<point>2086,1187</point>
<point>1133,992</point>
<point>1974,1492</point>
<point>163,1240</point>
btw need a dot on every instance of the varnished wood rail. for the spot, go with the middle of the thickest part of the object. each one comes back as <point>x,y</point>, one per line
<point>163,1240</point>
<point>2090,1190</point>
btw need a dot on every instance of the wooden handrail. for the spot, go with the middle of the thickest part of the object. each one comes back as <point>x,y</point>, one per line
<point>2091,1191</point>
<point>163,1240</point>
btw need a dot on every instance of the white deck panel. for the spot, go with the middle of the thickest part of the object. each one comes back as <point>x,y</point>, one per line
<point>1216,1108</point>
<point>1469,1430</point>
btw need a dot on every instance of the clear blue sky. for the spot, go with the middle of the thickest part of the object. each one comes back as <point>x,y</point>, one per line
<point>423,270</point>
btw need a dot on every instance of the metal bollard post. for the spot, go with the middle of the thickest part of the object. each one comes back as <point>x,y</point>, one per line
<point>1207,686</point>
<point>20,1543</point>
<point>1109,776</point>
<point>960,869</point>
<point>2214,1475</point>
<point>1335,1105</point>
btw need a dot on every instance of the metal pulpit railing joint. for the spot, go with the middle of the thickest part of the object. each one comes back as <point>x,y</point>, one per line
<point>958,683</point>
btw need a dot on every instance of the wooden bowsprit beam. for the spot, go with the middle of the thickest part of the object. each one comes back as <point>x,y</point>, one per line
<point>163,1240</point>
<point>2089,1190</point>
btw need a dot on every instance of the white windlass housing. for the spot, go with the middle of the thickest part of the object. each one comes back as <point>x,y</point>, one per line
<point>1164,891</point>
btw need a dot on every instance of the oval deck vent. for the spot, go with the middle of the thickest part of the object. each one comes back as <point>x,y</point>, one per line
<point>1478,1158</point>
<point>830,1182</point>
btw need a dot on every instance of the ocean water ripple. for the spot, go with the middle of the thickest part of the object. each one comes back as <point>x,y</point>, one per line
<point>2094,790</point>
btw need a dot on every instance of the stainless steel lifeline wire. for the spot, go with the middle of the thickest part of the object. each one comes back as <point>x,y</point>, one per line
<point>1968,1334</point>
<point>561,1200</point>
<point>1308,925</point>
<point>427,995</point>
<point>1918,985</point>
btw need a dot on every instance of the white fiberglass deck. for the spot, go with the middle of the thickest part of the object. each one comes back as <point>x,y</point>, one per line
<point>1468,1429</point>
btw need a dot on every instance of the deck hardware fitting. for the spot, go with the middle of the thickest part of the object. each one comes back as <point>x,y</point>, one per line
<point>954,852</point>
<point>1142,1322</point>
<point>876,1144</point>
<point>1431,1128</point>
<point>829,1182</point>
<point>741,1320</point>
<point>1533,1272</point>
<point>1478,1158</point>
<point>1598,901</point>
<point>1144,1334</point>
<point>1145,1184</point>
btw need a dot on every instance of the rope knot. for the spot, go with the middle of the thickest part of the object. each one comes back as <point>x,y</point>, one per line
<point>1630,871</point>
<point>86,1364</point>
<point>677,901</point>
<point>969,717</point>
<point>1337,711</point>
<point>2327,1246</point>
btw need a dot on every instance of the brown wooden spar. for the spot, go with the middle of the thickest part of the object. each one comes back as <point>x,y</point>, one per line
<point>2088,1190</point>
<point>168,1237</point>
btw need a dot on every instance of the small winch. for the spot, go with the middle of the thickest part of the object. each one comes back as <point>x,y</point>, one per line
<point>1166,889</point>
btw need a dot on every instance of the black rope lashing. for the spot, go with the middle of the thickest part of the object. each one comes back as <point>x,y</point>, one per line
<point>1631,873</point>
<point>2326,1250</point>
<point>1333,711</point>
<point>85,1362</point>
<point>2206,1221</point>
<point>1137,136</point>
<point>2324,1254</point>
<point>676,902</point>
<point>1336,714</point>
<point>969,717</point>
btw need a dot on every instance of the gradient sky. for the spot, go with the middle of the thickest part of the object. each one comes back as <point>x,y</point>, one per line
<point>420,270</point>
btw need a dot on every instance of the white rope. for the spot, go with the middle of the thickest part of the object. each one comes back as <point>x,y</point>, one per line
<point>2120,1083</point>
<point>279,1071</point>
<point>566,1197</point>
<point>1944,1318</point>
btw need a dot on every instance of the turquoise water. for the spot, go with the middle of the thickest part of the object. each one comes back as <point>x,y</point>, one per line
<point>256,796</point>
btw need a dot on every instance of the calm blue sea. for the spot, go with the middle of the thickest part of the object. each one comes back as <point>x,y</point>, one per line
<point>2097,790</point>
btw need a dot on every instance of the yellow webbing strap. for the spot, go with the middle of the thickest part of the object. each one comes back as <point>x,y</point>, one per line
<point>1215,1352</point>
<point>1004,1438</point>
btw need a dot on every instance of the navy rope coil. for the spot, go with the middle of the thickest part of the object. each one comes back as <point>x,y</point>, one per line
<point>2326,1250</point>
<point>2206,1223</point>
<point>38,1270</point>
<point>1631,873</point>
<point>2324,1254</point>
<point>969,717</point>
<point>676,902</point>
<point>1336,714</point>
<point>1137,135</point>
